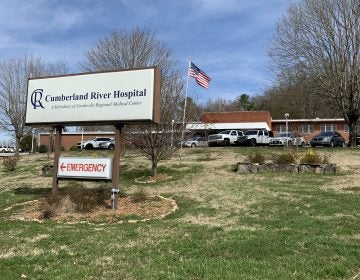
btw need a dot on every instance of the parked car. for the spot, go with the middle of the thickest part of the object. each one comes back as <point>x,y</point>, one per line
<point>6,149</point>
<point>287,139</point>
<point>110,145</point>
<point>328,138</point>
<point>93,143</point>
<point>3,149</point>
<point>193,142</point>
<point>13,149</point>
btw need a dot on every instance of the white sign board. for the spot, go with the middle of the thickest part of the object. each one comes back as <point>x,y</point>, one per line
<point>92,168</point>
<point>106,97</point>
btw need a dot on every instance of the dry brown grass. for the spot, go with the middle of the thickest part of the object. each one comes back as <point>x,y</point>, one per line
<point>206,188</point>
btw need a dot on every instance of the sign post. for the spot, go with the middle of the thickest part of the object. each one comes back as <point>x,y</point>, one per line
<point>130,96</point>
<point>116,163</point>
<point>58,132</point>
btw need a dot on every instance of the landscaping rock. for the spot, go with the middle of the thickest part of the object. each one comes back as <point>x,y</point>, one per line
<point>265,167</point>
<point>329,168</point>
<point>245,167</point>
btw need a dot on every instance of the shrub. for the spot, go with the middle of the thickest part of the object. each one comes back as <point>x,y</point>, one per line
<point>256,158</point>
<point>311,157</point>
<point>10,163</point>
<point>43,149</point>
<point>86,200</point>
<point>26,142</point>
<point>76,199</point>
<point>47,213</point>
<point>285,158</point>
<point>73,148</point>
<point>326,159</point>
<point>122,193</point>
<point>66,205</point>
<point>47,170</point>
<point>140,195</point>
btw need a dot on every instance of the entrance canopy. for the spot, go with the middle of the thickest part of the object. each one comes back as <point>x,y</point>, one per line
<point>224,126</point>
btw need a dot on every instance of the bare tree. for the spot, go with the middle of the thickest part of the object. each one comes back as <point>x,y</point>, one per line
<point>193,110</point>
<point>322,38</point>
<point>159,142</point>
<point>294,93</point>
<point>127,50</point>
<point>137,49</point>
<point>217,105</point>
<point>14,74</point>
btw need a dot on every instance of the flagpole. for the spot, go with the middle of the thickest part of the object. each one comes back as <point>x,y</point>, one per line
<point>186,94</point>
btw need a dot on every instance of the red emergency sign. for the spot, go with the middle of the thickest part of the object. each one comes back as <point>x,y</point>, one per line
<point>94,168</point>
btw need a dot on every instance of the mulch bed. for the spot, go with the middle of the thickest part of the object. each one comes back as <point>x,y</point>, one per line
<point>128,211</point>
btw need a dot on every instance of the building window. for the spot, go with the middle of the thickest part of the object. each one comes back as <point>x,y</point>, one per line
<point>346,128</point>
<point>307,128</point>
<point>280,128</point>
<point>328,127</point>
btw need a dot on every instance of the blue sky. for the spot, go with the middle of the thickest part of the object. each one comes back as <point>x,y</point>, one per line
<point>227,39</point>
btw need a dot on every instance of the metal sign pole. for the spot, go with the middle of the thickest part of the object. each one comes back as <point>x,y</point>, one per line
<point>116,166</point>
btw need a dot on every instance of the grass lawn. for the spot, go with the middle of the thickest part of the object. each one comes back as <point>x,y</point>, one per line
<point>228,225</point>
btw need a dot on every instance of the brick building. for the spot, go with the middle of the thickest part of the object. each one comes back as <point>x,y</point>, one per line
<point>244,120</point>
<point>70,139</point>
<point>308,128</point>
<point>262,120</point>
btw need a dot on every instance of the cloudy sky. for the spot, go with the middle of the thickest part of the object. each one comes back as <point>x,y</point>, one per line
<point>227,39</point>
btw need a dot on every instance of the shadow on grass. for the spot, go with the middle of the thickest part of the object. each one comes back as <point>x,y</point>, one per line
<point>40,192</point>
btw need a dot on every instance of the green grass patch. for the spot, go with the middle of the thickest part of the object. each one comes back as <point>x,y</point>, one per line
<point>175,171</point>
<point>228,226</point>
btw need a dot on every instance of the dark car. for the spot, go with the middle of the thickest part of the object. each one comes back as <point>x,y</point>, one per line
<point>328,138</point>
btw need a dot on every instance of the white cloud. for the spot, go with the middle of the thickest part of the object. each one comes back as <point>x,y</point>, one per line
<point>65,19</point>
<point>218,7</point>
<point>226,38</point>
<point>39,16</point>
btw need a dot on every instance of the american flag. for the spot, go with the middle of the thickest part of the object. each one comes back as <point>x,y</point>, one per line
<point>200,76</point>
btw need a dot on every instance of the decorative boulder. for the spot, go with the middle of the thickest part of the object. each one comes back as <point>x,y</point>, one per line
<point>245,167</point>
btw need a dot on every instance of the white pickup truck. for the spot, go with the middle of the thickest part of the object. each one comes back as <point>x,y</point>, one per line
<point>224,138</point>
